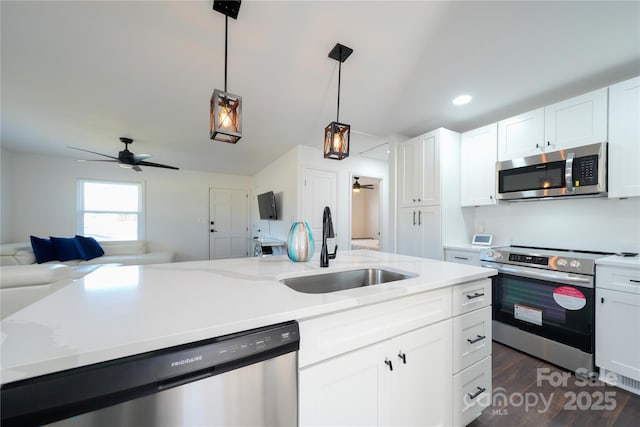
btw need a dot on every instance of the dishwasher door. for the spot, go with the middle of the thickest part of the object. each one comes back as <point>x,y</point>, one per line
<point>242,379</point>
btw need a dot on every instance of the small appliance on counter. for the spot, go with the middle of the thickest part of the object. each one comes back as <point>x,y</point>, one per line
<point>544,303</point>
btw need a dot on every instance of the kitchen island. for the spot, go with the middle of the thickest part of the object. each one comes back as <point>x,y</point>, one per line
<point>123,311</point>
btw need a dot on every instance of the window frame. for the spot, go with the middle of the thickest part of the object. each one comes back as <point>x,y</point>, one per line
<point>141,229</point>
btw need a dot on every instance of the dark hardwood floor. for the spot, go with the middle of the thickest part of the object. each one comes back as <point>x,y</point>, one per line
<point>525,396</point>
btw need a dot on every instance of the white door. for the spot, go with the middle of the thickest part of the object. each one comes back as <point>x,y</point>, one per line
<point>228,219</point>
<point>319,191</point>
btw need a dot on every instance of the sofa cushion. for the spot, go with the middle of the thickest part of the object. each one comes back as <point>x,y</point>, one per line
<point>43,249</point>
<point>66,248</point>
<point>88,248</point>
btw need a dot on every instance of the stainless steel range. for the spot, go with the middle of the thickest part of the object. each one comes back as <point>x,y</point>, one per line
<point>544,303</point>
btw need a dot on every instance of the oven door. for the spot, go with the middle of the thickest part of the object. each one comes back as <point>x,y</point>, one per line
<point>557,306</point>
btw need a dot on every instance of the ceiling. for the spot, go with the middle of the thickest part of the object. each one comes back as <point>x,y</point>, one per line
<point>83,73</point>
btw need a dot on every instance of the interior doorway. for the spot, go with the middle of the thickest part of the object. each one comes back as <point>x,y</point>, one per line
<point>228,223</point>
<point>366,220</point>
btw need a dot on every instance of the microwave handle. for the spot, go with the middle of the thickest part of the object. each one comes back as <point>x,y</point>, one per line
<point>568,172</point>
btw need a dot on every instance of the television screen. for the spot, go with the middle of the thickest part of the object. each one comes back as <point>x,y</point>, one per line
<point>267,205</point>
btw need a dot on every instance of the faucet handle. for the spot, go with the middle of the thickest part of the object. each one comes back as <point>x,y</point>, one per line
<point>333,255</point>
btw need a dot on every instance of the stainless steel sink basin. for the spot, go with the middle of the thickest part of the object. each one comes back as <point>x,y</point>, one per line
<point>341,280</point>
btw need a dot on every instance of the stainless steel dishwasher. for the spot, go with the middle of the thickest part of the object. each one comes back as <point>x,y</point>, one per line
<point>243,379</point>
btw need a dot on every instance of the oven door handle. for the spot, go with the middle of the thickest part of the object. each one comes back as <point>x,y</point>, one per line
<point>539,275</point>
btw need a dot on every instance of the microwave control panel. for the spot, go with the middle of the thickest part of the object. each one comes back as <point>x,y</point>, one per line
<point>585,171</point>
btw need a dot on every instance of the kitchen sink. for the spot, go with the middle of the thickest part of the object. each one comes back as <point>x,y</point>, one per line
<point>341,280</point>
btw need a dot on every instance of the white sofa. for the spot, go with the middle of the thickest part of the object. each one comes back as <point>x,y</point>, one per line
<point>23,282</point>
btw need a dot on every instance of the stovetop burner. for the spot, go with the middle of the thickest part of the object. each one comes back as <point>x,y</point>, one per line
<point>570,261</point>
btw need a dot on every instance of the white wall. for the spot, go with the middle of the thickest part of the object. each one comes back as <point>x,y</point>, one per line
<point>42,200</point>
<point>597,224</point>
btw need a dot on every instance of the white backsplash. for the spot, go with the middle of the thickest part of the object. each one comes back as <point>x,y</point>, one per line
<point>596,224</point>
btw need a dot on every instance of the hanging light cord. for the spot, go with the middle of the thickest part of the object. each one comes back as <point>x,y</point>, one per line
<point>226,30</point>
<point>339,75</point>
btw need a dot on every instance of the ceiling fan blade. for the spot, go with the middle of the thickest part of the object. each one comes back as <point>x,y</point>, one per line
<point>137,168</point>
<point>138,157</point>
<point>93,152</point>
<point>370,186</point>
<point>156,165</point>
<point>98,160</point>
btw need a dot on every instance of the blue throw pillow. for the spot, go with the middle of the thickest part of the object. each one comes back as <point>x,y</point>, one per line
<point>65,248</point>
<point>88,247</point>
<point>43,250</point>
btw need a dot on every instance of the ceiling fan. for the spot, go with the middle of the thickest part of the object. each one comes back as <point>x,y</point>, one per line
<point>357,186</point>
<point>127,159</point>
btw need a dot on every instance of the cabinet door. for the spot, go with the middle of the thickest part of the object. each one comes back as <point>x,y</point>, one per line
<point>577,121</point>
<point>428,190</point>
<point>617,336</point>
<point>420,385</point>
<point>521,136</point>
<point>430,232</point>
<point>343,390</point>
<point>409,152</point>
<point>624,139</point>
<point>478,156</point>
<point>410,237</point>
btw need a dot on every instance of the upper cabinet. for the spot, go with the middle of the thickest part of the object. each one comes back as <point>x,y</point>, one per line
<point>577,121</point>
<point>419,172</point>
<point>624,139</point>
<point>478,154</point>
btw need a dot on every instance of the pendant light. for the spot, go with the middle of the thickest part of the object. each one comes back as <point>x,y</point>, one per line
<point>226,108</point>
<point>336,134</point>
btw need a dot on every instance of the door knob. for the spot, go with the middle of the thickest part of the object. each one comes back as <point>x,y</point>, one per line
<point>213,231</point>
<point>212,222</point>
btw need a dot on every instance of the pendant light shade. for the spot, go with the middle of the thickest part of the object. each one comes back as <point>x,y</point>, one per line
<point>336,134</point>
<point>226,108</point>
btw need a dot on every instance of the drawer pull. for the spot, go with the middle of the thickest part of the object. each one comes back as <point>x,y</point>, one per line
<point>634,281</point>
<point>461,257</point>
<point>476,295</point>
<point>389,364</point>
<point>479,338</point>
<point>477,393</point>
<point>403,356</point>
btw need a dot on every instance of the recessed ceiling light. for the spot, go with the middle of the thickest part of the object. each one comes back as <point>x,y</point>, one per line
<point>462,100</point>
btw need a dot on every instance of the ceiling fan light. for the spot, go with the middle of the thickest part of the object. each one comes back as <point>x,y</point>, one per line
<point>336,141</point>
<point>226,117</point>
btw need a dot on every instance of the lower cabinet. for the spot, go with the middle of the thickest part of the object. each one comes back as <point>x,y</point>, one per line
<point>405,380</point>
<point>471,392</point>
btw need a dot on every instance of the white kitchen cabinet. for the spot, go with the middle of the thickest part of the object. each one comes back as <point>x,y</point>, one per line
<point>462,256</point>
<point>472,392</point>
<point>478,156</point>
<point>617,326</point>
<point>624,139</point>
<point>419,232</point>
<point>419,172</point>
<point>405,380</point>
<point>577,121</point>
<point>521,135</point>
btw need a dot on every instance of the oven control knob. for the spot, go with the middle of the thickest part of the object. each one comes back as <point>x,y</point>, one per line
<point>574,263</point>
<point>490,253</point>
<point>562,262</point>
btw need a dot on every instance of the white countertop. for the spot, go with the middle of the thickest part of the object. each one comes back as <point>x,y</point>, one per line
<point>120,311</point>
<point>620,261</point>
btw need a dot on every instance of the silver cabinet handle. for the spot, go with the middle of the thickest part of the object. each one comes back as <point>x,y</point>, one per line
<point>475,340</point>
<point>419,217</point>
<point>461,257</point>
<point>414,217</point>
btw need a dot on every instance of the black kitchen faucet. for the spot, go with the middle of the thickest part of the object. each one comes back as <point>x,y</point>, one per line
<point>327,233</point>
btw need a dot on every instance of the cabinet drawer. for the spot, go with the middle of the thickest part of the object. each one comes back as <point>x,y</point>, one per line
<point>471,338</point>
<point>618,279</point>
<point>471,296</point>
<point>471,392</point>
<point>334,334</point>
<point>462,257</point>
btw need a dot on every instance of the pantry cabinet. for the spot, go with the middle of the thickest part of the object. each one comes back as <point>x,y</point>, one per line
<point>478,156</point>
<point>578,121</point>
<point>419,172</point>
<point>419,232</point>
<point>624,139</point>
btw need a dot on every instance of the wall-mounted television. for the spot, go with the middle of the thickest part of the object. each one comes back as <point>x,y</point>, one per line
<point>267,205</point>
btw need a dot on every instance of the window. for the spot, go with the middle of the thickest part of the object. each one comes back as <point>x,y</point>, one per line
<point>110,210</point>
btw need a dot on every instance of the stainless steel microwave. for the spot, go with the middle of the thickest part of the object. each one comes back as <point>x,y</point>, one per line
<point>579,171</point>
